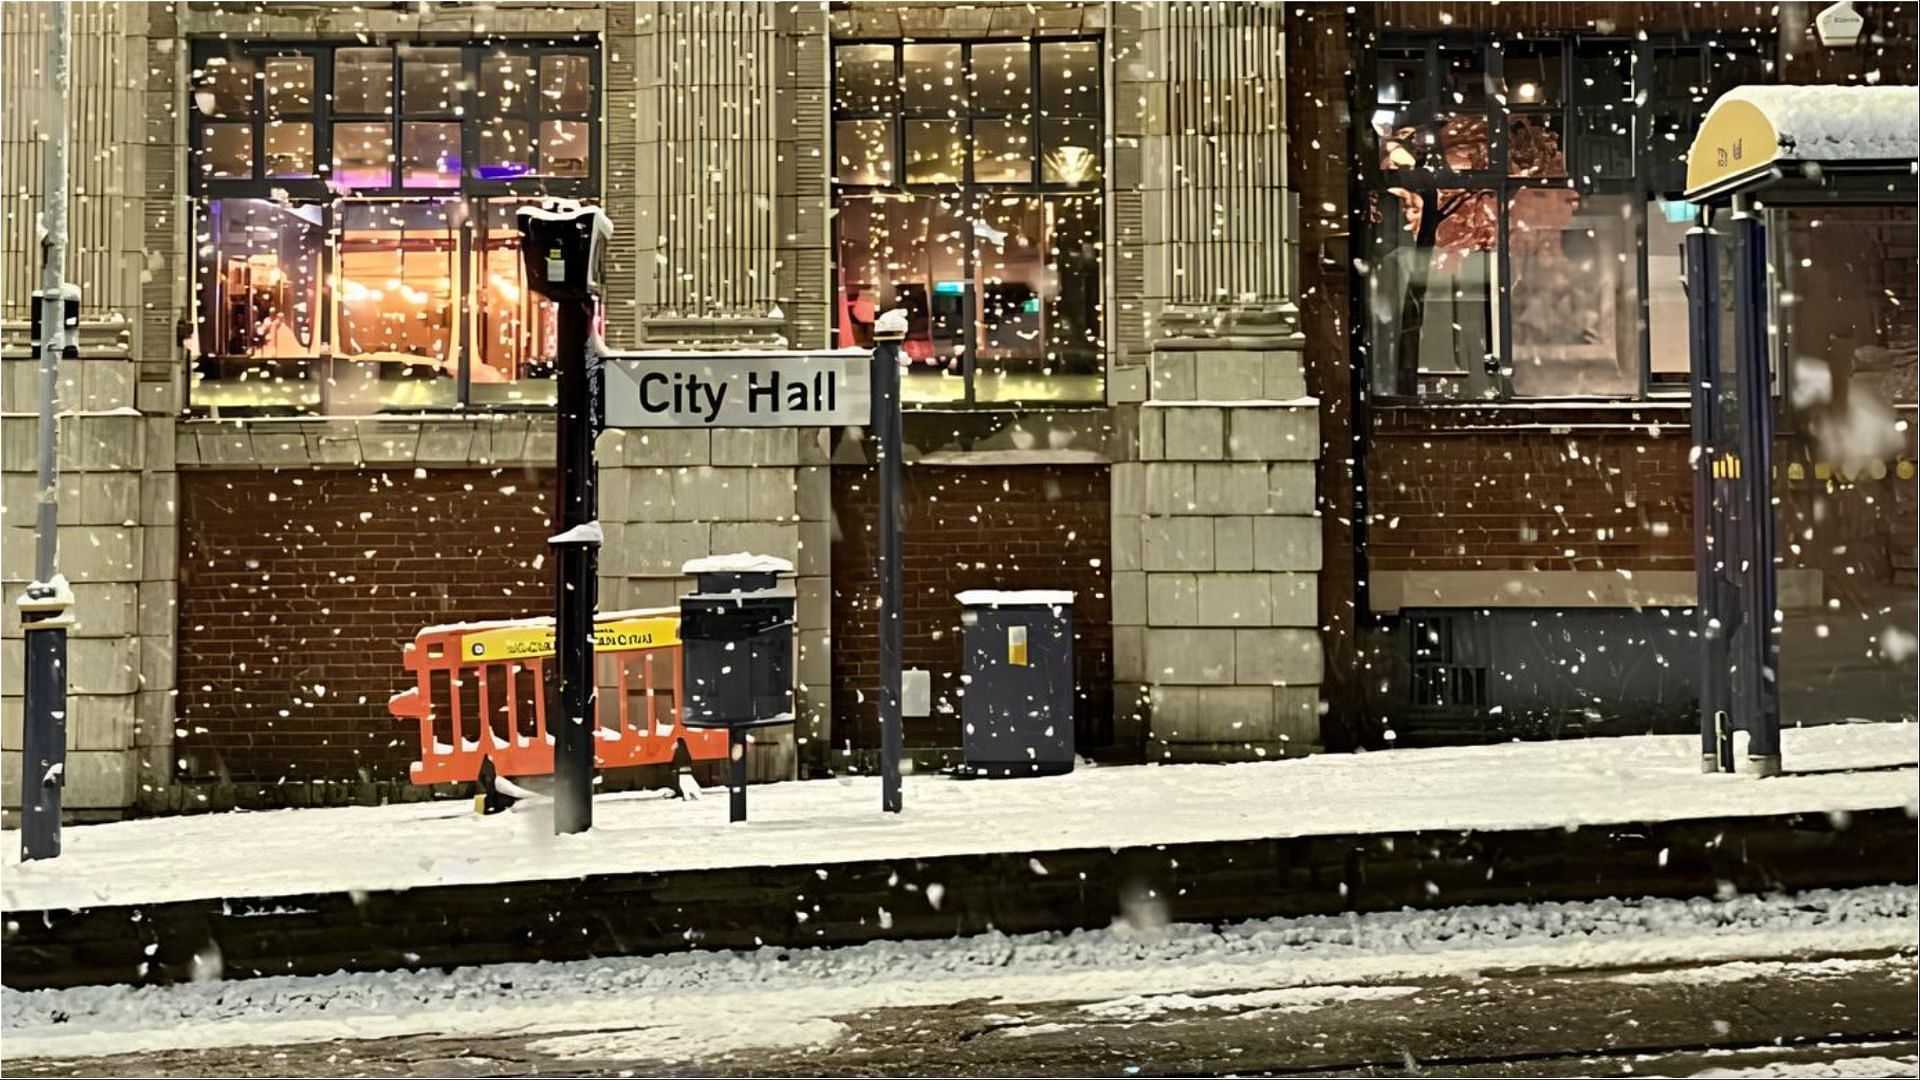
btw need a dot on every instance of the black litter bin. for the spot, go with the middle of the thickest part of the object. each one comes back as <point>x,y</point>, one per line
<point>736,655</point>
<point>1017,706</point>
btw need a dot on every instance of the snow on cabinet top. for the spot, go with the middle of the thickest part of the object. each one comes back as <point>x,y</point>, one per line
<point>1014,597</point>
<point>739,562</point>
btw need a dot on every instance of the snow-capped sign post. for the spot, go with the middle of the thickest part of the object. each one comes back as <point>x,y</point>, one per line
<point>46,607</point>
<point>888,332</point>
<point>563,245</point>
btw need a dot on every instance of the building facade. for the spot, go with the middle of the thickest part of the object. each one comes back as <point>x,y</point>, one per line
<point>310,411</point>
<point>1166,349</point>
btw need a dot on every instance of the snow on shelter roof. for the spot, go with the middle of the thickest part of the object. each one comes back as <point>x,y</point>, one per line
<point>1752,127</point>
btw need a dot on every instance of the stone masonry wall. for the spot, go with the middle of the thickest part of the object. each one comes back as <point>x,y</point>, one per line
<point>1215,534</point>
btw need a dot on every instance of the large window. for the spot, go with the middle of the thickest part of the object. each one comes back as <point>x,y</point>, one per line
<point>968,180</point>
<point>1524,224</point>
<point>357,249</point>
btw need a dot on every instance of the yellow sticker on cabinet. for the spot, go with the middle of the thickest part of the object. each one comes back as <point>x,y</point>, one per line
<point>1017,646</point>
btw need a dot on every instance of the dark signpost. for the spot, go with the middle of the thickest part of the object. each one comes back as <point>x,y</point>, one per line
<point>563,245</point>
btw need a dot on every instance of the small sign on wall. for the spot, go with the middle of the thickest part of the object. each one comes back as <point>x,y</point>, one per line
<point>1839,25</point>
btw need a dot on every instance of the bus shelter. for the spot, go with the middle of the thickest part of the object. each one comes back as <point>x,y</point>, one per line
<point>1801,292</point>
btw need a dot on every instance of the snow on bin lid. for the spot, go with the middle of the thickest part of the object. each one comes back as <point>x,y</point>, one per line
<point>1014,597</point>
<point>1751,127</point>
<point>740,562</point>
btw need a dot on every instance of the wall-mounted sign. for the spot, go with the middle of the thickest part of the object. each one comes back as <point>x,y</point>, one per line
<point>739,389</point>
<point>1839,26</point>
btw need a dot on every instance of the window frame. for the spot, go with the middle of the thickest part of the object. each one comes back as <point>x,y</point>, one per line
<point>466,201</point>
<point>470,119</point>
<point>969,192</point>
<point>1641,108</point>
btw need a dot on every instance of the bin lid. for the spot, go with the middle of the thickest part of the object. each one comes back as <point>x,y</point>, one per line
<point>1015,597</point>
<point>740,562</point>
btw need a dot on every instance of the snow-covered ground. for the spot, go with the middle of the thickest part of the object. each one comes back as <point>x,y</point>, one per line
<point>1517,785</point>
<point>694,1005</point>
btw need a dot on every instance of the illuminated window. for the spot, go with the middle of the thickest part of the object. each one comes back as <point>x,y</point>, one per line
<point>968,180</point>
<point>1522,227</point>
<point>357,248</point>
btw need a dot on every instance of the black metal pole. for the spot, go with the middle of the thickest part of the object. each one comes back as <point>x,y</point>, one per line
<point>1703,302</point>
<point>1762,659</point>
<point>44,734</point>
<point>886,429</point>
<point>570,715</point>
<point>737,773</point>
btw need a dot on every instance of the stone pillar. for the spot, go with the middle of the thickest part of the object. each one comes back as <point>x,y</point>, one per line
<point>1216,538</point>
<point>118,523</point>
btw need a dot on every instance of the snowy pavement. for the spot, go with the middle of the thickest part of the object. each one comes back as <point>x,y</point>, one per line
<point>1611,975</point>
<point>1839,768</point>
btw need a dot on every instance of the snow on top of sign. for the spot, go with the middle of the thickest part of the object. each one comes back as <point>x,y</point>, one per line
<point>740,562</point>
<point>1837,123</point>
<point>587,532</point>
<point>731,354</point>
<point>892,322</point>
<point>1013,597</point>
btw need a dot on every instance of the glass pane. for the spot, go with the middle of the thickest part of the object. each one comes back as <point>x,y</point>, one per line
<point>1533,145</point>
<point>506,80</point>
<point>430,82</point>
<point>1402,79</point>
<point>1575,297</point>
<point>1072,151</point>
<point>505,151</point>
<point>1603,78</point>
<point>225,87</point>
<point>1604,146</point>
<point>429,155</point>
<point>289,146</point>
<point>1464,79</point>
<point>363,81</point>
<point>289,86</point>
<point>395,306</point>
<point>1670,358</point>
<point>1403,142</point>
<point>363,155</point>
<point>936,152</point>
<point>936,78</point>
<point>909,253</point>
<point>1431,280</point>
<point>865,151</point>
<point>564,148</point>
<point>227,151</point>
<point>258,279</point>
<point>1680,77</point>
<point>1002,77</point>
<point>1069,78</point>
<point>565,83</point>
<point>1533,75</point>
<point>1002,151</point>
<point>863,78</point>
<point>1037,279</point>
<point>1844,442</point>
<point>514,328</point>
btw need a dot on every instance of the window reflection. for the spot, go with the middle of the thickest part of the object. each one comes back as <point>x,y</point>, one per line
<point>363,154</point>
<point>565,83</point>
<point>1575,296</point>
<point>289,85</point>
<point>363,81</point>
<point>1001,282</point>
<point>429,155</point>
<point>430,81</point>
<point>1002,77</point>
<point>395,311</point>
<point>225,87</point>
<point>513,328</point>
<point>227,151</point>
<point>936,152</point>
<point>289,149</point>
<point>564,148</point>
<point>259,305</point>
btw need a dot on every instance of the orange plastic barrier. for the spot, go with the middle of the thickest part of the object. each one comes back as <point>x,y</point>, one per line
<point>480,692</point>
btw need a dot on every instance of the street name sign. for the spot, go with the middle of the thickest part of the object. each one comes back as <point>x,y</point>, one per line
<point>829,388</point>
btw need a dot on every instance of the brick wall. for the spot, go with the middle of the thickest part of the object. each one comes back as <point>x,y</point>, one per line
<point>1020,527</point>
<point>1590,499</point>
<point>293,582</point>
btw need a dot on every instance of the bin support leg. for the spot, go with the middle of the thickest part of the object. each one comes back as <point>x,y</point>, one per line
<point>736,774</point>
